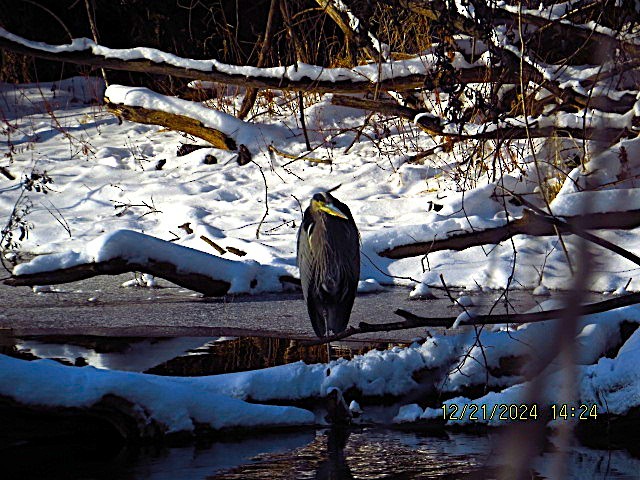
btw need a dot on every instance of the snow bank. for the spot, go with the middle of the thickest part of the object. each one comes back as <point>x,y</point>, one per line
<point>176,405</point>
<point>612,384</point>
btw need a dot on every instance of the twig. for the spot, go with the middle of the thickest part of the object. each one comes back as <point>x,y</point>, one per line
<point>293,158</point>
<point>303,123</point>
<point>266,199</point>
<point>210,242</point>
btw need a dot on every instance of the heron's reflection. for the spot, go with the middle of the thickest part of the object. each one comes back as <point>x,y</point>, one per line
<point>335,467</point>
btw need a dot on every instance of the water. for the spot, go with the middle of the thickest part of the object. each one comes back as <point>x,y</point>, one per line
<point>323,454</point>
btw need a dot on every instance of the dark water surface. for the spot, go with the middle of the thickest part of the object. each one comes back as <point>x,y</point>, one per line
<point>361,454</point>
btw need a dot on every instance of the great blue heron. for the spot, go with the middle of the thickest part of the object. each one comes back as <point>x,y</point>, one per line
<point>329,262</point>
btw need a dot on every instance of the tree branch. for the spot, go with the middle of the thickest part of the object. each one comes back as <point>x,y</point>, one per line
<point>413,321</point>
<point>259,78</point>
<point>529,224</point>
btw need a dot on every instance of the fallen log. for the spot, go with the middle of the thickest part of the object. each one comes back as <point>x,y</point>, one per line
<point>125,251</point>
<point>193,281</point>
<point>172,121</point>
<point>529,224</point>
<point>110,419</point>
<point>259,78</point>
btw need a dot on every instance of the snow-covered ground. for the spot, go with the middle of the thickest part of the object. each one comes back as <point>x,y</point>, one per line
<point>107,178</point>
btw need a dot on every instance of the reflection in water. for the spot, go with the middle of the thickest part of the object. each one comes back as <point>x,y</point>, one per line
<point>335,465</point>
<point>182,356</point>
<point>330,454</point>
<point>134,356</point>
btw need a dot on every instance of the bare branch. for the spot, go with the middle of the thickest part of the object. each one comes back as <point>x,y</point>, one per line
<point>529,224</point>
<point>413,321</point>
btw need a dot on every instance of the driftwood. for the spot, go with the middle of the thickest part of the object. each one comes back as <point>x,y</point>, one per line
<point>414,321</point>
<point>172,121</point>
<point>529,224</point>
<point>194,281</point>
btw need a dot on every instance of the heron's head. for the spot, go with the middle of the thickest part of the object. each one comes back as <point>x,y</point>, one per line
<point>324,202</point>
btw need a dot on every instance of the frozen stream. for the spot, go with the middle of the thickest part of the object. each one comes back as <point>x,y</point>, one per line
<point>100,306</point>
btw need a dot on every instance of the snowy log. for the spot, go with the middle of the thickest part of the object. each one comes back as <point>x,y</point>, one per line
<point>133,406</point>
<point>201,283</point>
<point>139,104</point>
<point>127,251</point>
<point>529,224</point>
<point>407,75</point>
<point>111,417</point>
<point>172,121</point>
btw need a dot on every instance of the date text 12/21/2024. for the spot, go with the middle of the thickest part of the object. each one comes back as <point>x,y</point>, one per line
<point>515,412</point>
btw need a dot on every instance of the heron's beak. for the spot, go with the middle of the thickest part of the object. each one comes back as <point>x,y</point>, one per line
<point>330,209</point>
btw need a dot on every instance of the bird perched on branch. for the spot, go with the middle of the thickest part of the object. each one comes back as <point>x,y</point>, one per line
<point>329,262</point>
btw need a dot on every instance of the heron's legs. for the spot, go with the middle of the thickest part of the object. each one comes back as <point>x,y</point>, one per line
<point>326,334</point>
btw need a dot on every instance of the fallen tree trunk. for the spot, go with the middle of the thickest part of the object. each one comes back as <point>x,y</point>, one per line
<point>193,281</point>
<point>529,224</point>
<point>107,420</point>
<point>260,78</point>
<point>172,121</point>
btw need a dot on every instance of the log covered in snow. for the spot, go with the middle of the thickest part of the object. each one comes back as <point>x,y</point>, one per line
<point>127,251</point>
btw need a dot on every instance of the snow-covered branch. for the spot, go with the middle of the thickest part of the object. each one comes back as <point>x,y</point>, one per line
<point>529,224</point>
<point>397,75</point>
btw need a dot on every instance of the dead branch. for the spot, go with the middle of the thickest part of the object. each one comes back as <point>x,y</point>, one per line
<point>577,229</point>
<point>172,121</point>
<point>435,125</point>
<point>413,321</point>
<point>381,106</point>
<point>359,39</point>
<point>304,156</point>
<point>437,10</point>
<point>529,224</point>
